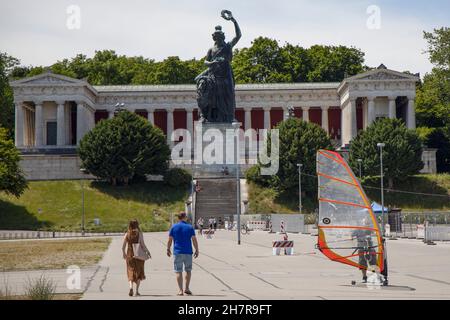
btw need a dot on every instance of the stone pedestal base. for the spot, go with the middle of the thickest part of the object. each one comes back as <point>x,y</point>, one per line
<point>215,149</point>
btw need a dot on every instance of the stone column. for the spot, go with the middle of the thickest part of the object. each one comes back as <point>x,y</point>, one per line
<point>19,124</point>
<point>325,118</point>
<point>371,110</point>
<point>80,121</point>
<point>151,116</point>
<point>411,114</point>
<point>305,114</point>
<point>248,118</point>
<point>285,113</point>
<point>353,127</point>
<point>392,108</point>
<point>266,117</point>
<point>190,122</point>
<point>39,125</point>
<point>169,125</point>
<point>60,122</point>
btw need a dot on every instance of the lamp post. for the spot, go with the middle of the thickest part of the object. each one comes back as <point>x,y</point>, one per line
<point>84,171</point>
<point>359,164</point>
<point>236,126</point>
<point>385,270</point>
<point>381,146</point>
<point>300,187</point>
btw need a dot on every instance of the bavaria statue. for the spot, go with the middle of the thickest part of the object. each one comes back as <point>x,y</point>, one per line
<point>215,85</point>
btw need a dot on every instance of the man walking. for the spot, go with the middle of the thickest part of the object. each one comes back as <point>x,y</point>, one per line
<point>182,235</point>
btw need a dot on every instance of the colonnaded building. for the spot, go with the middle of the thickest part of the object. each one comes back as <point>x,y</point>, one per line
<point>53,112</point>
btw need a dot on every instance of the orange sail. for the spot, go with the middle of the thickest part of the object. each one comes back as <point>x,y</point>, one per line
<point>348,229</point>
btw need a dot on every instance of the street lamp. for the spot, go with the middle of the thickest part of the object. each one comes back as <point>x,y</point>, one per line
<point>84,171</point>
<point>359,164</point>
<point>381,146</point>
<point>236,126</point>
<point>300,187</point>
<point>385,270</point>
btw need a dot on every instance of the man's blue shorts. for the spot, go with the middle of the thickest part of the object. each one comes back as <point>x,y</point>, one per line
<point>180,260</point>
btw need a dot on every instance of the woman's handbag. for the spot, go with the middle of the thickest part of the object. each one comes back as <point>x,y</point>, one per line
<point>139,252</point>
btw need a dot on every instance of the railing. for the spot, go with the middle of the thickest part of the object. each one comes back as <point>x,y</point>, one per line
<point>23,235</point>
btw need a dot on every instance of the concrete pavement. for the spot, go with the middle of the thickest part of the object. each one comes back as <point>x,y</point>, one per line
<point>225,270</point>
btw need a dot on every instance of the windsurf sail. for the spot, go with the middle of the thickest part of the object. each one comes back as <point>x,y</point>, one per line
<point>349,232</point>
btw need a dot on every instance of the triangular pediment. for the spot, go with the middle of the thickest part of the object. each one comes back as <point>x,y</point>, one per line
<point>48,78</point>
<point>382,74</point>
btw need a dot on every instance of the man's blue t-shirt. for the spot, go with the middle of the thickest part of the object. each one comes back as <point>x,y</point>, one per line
<point>182,233</point>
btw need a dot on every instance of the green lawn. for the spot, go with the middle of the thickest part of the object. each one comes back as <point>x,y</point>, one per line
<point>61,207</point>
<point>265,200</point>
<point>438,184</point>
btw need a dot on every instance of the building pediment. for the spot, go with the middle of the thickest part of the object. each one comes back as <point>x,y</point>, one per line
<point>50,79</point>
<point>382,73</point>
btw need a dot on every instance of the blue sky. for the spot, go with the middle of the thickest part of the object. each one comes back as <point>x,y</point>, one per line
<point>36,31</point>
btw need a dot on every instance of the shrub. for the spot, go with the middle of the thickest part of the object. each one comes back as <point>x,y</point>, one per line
<point>177,177</point>
<point>41,289</point>
<point>121,148</point>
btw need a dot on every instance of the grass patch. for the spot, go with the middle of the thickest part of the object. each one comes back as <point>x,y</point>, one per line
<point>41,289</point>
<point>265,200</point>
<point>57,205</point>
<point>51,254</point>
<point>438,184</point>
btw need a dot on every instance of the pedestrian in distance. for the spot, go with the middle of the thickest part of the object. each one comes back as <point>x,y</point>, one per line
<point>182,236</point>
<point>200,223</point>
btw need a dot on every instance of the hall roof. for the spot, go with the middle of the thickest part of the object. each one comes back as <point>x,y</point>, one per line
<point>239,87</point>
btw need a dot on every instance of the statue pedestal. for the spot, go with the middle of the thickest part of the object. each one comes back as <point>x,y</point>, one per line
<point>215,149</point>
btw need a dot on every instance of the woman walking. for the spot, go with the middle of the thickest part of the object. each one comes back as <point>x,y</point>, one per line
<point>134,240</point>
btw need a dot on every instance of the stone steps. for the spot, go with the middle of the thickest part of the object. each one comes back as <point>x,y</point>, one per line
<point>217,198</point>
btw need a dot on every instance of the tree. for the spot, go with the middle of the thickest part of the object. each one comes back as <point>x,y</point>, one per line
<point>124,147</point>
<point>7,63</point>
<point>299,142</point>
<point>402,154</point>
<point>439,47</point>
<point>433,100</point>
<point>265,61</point>
<point>12,180</point>
<point>261,63</point>
<point>175,71</point>
<point>334,63</point>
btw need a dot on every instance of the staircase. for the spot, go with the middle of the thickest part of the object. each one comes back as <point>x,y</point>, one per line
<point>216,199</point>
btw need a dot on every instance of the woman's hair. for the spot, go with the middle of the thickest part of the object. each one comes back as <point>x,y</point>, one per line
<point>133,225</point>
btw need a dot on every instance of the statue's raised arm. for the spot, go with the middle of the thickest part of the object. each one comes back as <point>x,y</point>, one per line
<point>227,15</point>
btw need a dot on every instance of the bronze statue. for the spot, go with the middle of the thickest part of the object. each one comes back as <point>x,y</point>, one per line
<point>215,85</point>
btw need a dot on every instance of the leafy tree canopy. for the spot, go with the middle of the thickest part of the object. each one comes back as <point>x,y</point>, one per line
<point>402,154</point>
<point>7,63</point>
<point>12,180</point>
<point>123,148</point>
<point>299,142</point>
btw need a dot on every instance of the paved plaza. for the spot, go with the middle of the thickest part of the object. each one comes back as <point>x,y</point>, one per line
<point>225,270</point>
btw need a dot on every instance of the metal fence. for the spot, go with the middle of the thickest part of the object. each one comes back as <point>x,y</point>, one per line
<point>23,235</point>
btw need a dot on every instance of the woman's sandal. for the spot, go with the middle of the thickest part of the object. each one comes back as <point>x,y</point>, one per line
<point>188,292</point>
